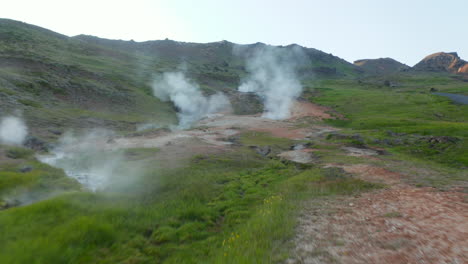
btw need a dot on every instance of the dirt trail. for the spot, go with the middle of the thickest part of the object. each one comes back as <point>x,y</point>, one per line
<point>401,224</point>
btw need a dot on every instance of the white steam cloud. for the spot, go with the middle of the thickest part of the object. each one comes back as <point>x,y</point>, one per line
<point>86,158</point>
<point>273,77</point>
<point>13,131</point>
<point>188,98</point>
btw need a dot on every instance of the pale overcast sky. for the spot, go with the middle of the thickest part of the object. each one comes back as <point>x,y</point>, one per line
<point>406,30</point>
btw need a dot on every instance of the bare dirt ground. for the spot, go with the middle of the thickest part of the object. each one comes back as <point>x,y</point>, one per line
<point>401,224</point>
<point>214,130</point>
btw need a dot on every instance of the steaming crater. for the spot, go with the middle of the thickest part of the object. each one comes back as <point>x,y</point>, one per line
<point>188,98</point>
<point>86,159</point>
<point>13,130</point>
<point>272,76</point>
<point>91,172</point>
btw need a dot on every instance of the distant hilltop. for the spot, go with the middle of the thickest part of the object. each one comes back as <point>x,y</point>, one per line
<point>443,62</point>
<point>381,66</point>
<point>446,62</point>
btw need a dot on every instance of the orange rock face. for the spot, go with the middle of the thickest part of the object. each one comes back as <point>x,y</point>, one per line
<point>463,69</point>
<point>443,62</point>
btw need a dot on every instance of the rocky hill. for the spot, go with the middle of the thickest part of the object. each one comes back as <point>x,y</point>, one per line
<point>381,66</point>
<point>443,62</point>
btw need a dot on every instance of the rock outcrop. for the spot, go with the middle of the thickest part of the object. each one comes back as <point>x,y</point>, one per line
<point>443,62</point>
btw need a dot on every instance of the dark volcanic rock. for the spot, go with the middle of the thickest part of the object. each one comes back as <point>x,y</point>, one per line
<point>35,143</point>
<point>26,169</point>
<point>300,146</point>
<point>261,150</point>
<point>356,137</point>
<point>441,139</point>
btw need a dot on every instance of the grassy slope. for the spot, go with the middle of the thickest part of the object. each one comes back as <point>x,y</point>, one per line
<point>233,208</point>
<point>23,179</point>
<point>378,112</point>
<point>61,82</point>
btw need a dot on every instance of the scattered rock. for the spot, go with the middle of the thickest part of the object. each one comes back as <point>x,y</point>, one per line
<point>394,134</point>
<point>335,173</point>
<point>35,143</point>
<point>235,140</point>
<point>261,150</point>
<point>25,169</point>
<point>352,151</point>
<point>357,137</point>
<point>5,204</point>
<point>299,156</point>
<point>301,146</point>
<point>441,139</point>
<point>55,132</point>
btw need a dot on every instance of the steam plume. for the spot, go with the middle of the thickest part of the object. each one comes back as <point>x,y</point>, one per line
<point>273,77</point>
<point>13,131</point>
<point>85,158</point>
<point>188,98</point>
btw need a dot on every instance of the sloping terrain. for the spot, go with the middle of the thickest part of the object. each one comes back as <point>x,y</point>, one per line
<point>381,66</point>
<point>366,169</point>
<point>59,82</point>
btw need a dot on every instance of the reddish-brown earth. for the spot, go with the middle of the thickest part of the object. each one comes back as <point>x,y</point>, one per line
<point>306,109</point>
<point>401,224</point>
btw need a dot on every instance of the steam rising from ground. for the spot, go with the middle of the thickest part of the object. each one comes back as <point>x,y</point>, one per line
<point>86,158</point>
<point>187,97</point>
<point>13,130</point>
<point>273,77</point>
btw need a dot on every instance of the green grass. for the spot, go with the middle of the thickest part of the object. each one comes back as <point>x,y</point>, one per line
<point>410,109</point>
<point>41,178</point>
<point>31,103</point>
<point>393,215</point>
<point>18,153</point>
<point>254,138</point>
<point>25,180</point>
<point>178,215</point>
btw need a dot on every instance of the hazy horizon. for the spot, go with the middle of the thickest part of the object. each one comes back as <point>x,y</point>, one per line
<point>362,29</point>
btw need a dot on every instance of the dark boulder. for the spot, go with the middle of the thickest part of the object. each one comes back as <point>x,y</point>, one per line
<point>261,150</point>
<point>25,169</point>
<point>300,146</point>
<point>35,143</point>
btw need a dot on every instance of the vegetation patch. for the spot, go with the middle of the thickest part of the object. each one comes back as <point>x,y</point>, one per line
<point>228,208</point>
<point>401,119</point>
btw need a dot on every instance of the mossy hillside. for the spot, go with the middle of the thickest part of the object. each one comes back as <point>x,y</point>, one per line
<point>42,70</point>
